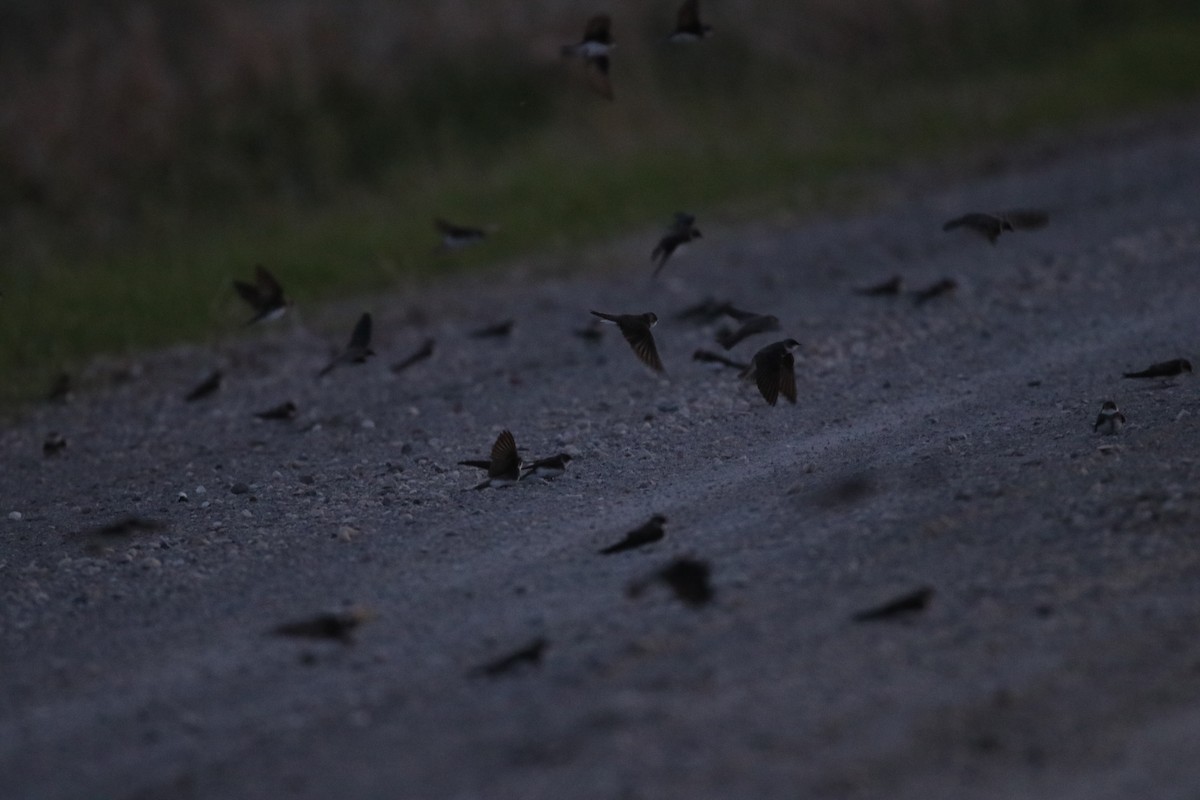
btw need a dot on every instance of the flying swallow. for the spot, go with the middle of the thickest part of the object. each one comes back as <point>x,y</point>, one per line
<point>594,49</point>
<point>205,387</point>
<point>547,468</point>
<point>265,296</point>
<point>358,348</point>
<point>456,237</point>
<point>285,410</point>
<point>648,533</point>
<point>54,444</point>
<point>688,27</point>
<point>990,226</point>
<point>498,330</point>
<point>1163,369</point>
<point>422,353</point>
<point>527,654</point>
<point>905,604</point>
<point>1110,421</point>
<point>683,230</point>
<point>716,358</point>
<point>338,626</point>
<point>504,467</point>
<point>752,325</point>
<point>889,288</point>
<point>706,311</point>
<point>687,577</point>
<point>636,330</point>
<point>944,286</point>
<point>774,371</point>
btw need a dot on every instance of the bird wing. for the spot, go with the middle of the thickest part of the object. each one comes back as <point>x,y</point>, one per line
<point>787,377</point>
<point>768,380</point>
<point>597,29</point>
<point>642,341</point>
<point>360,339</point>
<point>250,294</point>
<point>505,460</point>
<point>268,288</point>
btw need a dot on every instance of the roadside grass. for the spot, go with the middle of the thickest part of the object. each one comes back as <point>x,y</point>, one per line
<point>735,139</point>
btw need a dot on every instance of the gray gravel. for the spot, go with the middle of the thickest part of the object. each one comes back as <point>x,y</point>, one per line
<point>948,445</point>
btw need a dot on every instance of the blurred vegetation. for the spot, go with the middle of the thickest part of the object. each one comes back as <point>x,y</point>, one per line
<point>153,151</point>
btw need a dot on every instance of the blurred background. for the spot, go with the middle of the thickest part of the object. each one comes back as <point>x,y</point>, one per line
<point>152,151</point>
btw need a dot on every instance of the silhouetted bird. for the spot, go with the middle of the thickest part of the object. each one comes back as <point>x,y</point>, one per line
<point>683,230</point>
<point>265,296</point>
<point>358,348</point>
<point>990,226</point>
<point>650,532</point>
<point>636,330</point>
<point>1163,369</point>
<point>688,27</point>
<point>774,371</point>
<point>594,49</point>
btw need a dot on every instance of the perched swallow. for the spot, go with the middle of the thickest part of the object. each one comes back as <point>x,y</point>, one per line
<point>285,410</point>
<point>688,27</point>
<point>752,325</point>
<point>944,286</point>
<point>422,353</point>
<point>683,230</point>
<point>649,533</point>
<point>706,311</point>
<point>548,468</point>
<point>636,330</point>
<point>889,288</point>
<point>54,444</point>
<point>504,467</point>
<point>456,237</point>
<point>338,626</point>
<point>528,654</point>
<point>1110,421</point>
<point>907,603</point>
<point>717,358</point>
<point>127,526</point>
<point>990,226</point>
<point>687,577</point>
<point>774,371</point>
<point>205,387</point>
<point>594,49</point>
<point>357,350</point>
<point>265,296</point>
<point>497,330</point>
<point>1163,369</point>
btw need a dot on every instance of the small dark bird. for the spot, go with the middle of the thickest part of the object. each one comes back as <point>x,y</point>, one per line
<point>53,444</point>
<point>265,296</point>
<point>528,654</point>
<point>1163,369</point>
<point>907,603</point>
<point>548,468</point>
<point>60,388</point>
<point>648,533</point>
<point>717,358</point>
<point>944,286</point>
<point>687,577</point>
<point>1110,421</point>
<point>991,226</point>
<point>889,288</point>
<point>339,626</point>
<point>752,325</point>
<point>504,467</point>
<point>498,330</point>
<point>456,237</point>
<point>205,387</point>
<point>706,311</point>
<point>422,353</point>
<point>688,27</point>
<point>594,49</point>
<point>683,230</point>
<point>358,348</point>
<point>284,411</point>
<point>774,371</point>
<point>636,330</point>
<point>127,526</point>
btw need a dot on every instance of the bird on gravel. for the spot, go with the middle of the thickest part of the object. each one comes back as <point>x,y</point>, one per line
<point>456,237</point>
<point>774,371</point>
<point>902,606</point>
<point>594,49</point>
<point>688,27</point>
<point>752,325</point>
<point>689,578</point>
<point>683,230</point>
<point>636,330</point>
<point>650,532</point>
<point>358,348</point>
<point>1110,421</point>
<point>547,468</point>
<point>206,387</point>
<point>944,286</point>
<point>504,466</point>
<point>265,296</point>
<point>991,225</point>
<point>889,288</point>
<point>1163,369</point>
<point>283,411</point>
<point>338,626</point>
<point>530,653</point>
<point>423,352</point>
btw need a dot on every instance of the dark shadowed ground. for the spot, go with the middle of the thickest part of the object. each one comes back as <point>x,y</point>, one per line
<point>948,445</point>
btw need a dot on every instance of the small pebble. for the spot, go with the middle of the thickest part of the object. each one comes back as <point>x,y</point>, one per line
<point>15,516</point>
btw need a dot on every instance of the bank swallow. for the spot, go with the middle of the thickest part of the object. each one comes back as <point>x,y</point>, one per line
<point>688,27</point>
<point>636,330</point>
<point>1163,369</point>
<point>594,49</point>
<point>422,353</point>
<point>497,330</point>
<point>526,654</point>
<point>358,348</point>
<point>752,325</point>
<point>339,626</point>
<point>990,226</point>
<point>904,605</point>
<point>706,311</point>
<point>650,532</point>
<point>1110,421</point>
<point>127,526</point>
<point>889,288</point>
<point>774,371</point>
<point>944,286</point>
<point>683,230</point>
<point>716,358</point>
<point>456,237</point>
<point>504,466</point>
<point>265,296</point>
<point>205,387</point>
<point>689,578</point>
<point>53,444</point>
<point>284,411</point>
<point>547,468</point>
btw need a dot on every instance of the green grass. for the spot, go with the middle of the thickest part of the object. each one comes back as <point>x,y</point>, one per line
<point>567,171</point>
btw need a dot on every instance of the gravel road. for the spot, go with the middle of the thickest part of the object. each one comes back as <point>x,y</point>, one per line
<point>946,445</point>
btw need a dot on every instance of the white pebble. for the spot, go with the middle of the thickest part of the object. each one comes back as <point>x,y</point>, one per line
<point>15,516</point>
